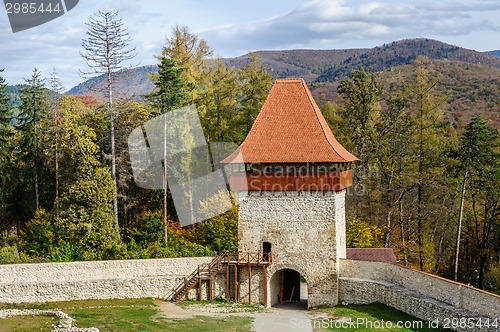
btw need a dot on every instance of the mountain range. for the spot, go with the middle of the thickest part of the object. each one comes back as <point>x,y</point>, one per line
<point>469,78</point>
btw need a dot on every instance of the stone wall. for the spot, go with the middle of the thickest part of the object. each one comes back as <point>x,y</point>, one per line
<point>420,294</point>
<point>302,229</point>
<point>98,280</point>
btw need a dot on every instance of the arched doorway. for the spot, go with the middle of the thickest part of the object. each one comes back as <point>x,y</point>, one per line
<point>288,286</point>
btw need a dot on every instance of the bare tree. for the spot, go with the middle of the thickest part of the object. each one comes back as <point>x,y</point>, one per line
<point>105,49</point>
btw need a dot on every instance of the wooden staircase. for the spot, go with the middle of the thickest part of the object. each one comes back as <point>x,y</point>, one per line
<point>208,271</point>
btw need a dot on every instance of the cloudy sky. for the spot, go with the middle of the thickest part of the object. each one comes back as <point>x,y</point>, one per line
<point>234,27</point>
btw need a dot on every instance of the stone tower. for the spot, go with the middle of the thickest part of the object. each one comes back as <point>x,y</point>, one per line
<point>291,185</point>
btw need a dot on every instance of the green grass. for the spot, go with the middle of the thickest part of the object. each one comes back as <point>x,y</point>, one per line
<point>124,316</point>
<point>27,323</point>
<point>142,315</point>
<point>372,313</point>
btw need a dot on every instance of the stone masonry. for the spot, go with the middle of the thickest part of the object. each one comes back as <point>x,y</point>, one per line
<point>307,234</point>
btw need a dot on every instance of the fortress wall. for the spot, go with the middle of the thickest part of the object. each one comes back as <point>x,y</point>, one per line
<point>118,279</point>
<point>367,282</point>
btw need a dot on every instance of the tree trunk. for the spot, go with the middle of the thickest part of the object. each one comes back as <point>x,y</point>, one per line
<point>483,260</point>
<point>401,226</point>
<point>113,150</point>
<point>165,212</point>
<point>460,218</point>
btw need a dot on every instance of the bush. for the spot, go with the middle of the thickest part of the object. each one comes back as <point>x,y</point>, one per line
<point>37,238</point>
<point>220,232</point>
<point>9,254</point>
<point>492,278</point>
<point>65,252</point>
<point>361,235</point>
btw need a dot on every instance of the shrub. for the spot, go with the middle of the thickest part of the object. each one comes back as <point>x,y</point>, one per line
<point>9,254</point>
<point>361,235</point>
<point>37,237</point>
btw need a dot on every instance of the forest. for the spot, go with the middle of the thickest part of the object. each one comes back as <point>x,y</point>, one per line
<point>426,185</point>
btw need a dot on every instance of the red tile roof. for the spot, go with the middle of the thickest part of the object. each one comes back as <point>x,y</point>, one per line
<point>371,254</point>
<point>290,129</point>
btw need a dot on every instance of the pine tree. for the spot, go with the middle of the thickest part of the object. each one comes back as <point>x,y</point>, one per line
<point>6,138</point>
<point>480,163</point>
<point>170,90</point>
<point>5,109</point>
<point>33,109</point>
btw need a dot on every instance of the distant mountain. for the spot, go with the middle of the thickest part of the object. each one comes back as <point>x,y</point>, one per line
<point>494,53</point>
<point>129,83</point>
<point>308,64</point>
<point>13,92</point>
<point>403,52</point>
<point>470,89</point>
<point>470,79</point>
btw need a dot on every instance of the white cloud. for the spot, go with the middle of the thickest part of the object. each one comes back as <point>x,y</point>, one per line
<point>233,28</point>
<point>352,22</point>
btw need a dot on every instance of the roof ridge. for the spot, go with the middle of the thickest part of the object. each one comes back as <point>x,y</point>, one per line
<point>314,106</point>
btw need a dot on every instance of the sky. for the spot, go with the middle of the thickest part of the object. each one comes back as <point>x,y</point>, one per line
<point>235,27</point>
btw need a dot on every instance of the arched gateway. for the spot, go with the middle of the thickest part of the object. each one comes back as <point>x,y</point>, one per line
<point>291,186</point>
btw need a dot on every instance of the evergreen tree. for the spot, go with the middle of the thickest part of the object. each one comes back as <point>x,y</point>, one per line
<point>480,161</point>
<point>5,110</point>
<point>360,96</point>
<point>170,93</point>
<point>6,139</point>
<point>33,109</point>
<point>170,90</point>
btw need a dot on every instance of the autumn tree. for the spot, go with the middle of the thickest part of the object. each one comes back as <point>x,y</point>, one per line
<point>429,140</point>
<point>105,49</point>
<point>255,83</point>
<point>190,53</point>
<point>218,102</point>
<point>86,188</point>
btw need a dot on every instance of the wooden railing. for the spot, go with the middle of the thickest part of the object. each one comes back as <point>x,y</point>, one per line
<point>334,181</point>
<point>207,271</point>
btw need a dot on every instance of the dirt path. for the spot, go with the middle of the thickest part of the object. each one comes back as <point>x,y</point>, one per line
<point>286,317</point>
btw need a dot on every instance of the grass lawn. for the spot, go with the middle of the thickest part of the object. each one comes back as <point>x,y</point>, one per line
<point>121,316</point>
<point>141,315</point>
<point>369,316</point>
<point>28,323</point>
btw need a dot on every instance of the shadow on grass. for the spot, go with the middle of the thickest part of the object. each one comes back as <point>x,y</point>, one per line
<point>371,317</point>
